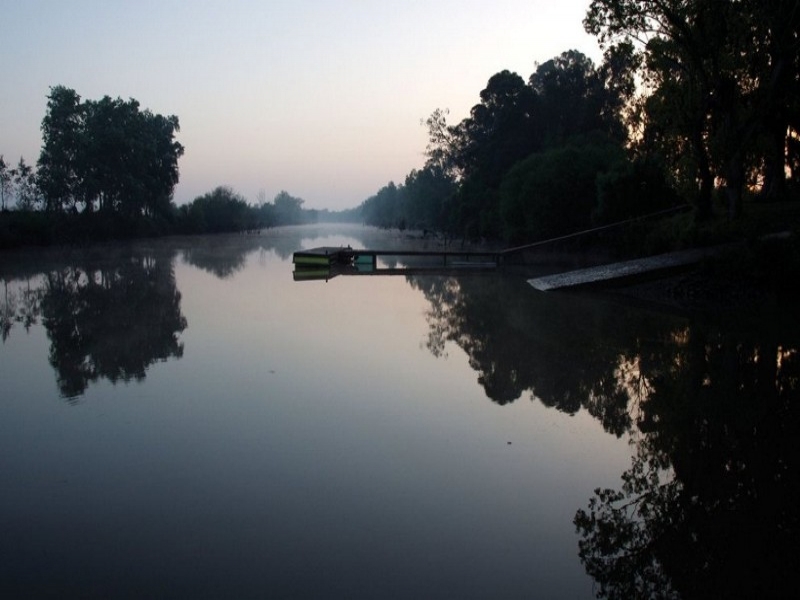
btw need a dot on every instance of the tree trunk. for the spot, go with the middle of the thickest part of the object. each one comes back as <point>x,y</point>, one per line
<point>703,174</point>
<point>734,186</point>
<point>775,163</point>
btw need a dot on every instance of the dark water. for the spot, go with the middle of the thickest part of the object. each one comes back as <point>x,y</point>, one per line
<point>181,419</point>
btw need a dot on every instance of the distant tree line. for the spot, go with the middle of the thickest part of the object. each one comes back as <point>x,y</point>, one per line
<point>694,101</point>
<point>224,210</point>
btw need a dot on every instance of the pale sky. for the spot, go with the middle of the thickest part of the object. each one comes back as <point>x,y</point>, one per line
<point>321,98</point>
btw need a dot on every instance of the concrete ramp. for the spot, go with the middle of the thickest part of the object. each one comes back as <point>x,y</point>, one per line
<point>616,272</point>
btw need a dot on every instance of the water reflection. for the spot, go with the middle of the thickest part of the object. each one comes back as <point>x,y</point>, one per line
<point>709,506</point>
<point>105,318</point>
<point>19,305</point>
<point>219,261</point>
<point>225,255</point>
<point>569,352</point>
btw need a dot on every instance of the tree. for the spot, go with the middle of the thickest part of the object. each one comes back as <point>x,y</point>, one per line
<point>163,161</point>
<point>441,148</point>
<point>60,164</point>
<point>221,210</point>
<point>632,188</point>
<point>566,98</point>
<point>427,192</point>
<point>5,182</point>
<point>107,155</point>
<point>384,208</point>
<point>498,131</point>
<point>25,185</point>
<point>776,34</point>
<point>722,79</point>
<point>573,99</point>
<point>554,192</point>
<point>288,209</point>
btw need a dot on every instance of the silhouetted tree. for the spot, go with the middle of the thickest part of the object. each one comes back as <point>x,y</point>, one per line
<point>107,154</point>
<point>566,98</point>
<point>428,192</point>
<point>5,182</point>
<point>60,164</point>
<point>555,192</point>
<point>25,186</point>
<point>218,211</point>
<point>722,82</point>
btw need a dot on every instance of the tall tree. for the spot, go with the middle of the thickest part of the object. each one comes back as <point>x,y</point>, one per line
<point>573,98</point>
<point>498,131</point>
<point>773,30</point>
<point>723,79</point>
<point>107,154</point>
<point>428,192</point>
<point>59,164</point>
<point>5,182</point>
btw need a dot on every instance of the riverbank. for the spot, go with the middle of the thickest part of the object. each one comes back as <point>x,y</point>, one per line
<point>746,276</point>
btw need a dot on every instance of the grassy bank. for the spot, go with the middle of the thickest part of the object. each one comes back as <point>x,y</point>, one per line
<point>759,266</point>
<point>33,228</point>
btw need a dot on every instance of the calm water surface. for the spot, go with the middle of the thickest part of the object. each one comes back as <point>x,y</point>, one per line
<point>179,418</point>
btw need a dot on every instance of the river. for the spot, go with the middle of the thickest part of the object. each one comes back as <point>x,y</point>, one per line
<point>181,418</point>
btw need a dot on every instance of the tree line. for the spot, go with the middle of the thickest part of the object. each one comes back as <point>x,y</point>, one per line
<point>694,102</point>
<point>107,169</point>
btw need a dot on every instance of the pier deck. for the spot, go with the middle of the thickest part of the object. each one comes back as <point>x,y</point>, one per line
<point>622,271</point>
<point>327,262</point>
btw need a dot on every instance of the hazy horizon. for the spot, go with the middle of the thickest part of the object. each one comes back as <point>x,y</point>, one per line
<point>323,100</point>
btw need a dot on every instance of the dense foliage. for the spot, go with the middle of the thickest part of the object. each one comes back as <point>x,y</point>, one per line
<point>525,163</point>
<point>692,97</point>
<point>223,210</point>
<point>106,155</point>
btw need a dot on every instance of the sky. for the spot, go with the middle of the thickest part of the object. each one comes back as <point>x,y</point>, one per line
<point>321,98</point>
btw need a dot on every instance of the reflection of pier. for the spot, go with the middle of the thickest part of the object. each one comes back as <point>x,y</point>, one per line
<point>328,262</point>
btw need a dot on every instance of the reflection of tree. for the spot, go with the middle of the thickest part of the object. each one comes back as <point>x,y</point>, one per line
<point>20,304</point>
<point>218,258</point>
<point>8,311</point>
<point>226,254</point>
<point>570,353</point>
<point>709,507</point>
<point>111,321</point>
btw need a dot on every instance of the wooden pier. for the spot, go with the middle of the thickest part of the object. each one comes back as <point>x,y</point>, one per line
<point>621,272</point>
<point>327,262</point>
